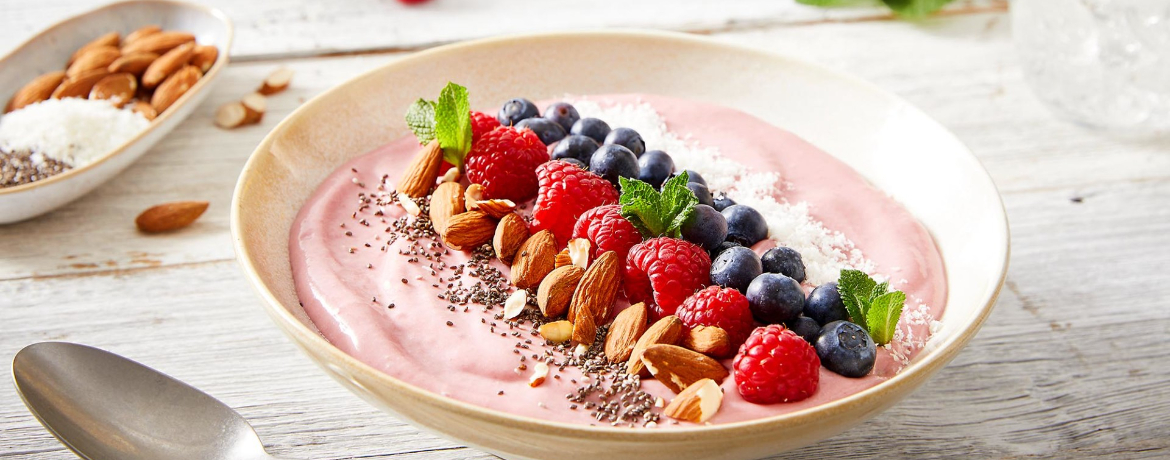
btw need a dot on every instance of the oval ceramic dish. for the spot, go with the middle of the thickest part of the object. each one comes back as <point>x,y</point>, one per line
<point>50,49</point>
<point>891,143</point>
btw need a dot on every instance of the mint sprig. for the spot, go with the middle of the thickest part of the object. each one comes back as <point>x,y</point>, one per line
<point>656,213</point>
<point>909,9</point>
<point>448,120</point>
<point>871,305</point>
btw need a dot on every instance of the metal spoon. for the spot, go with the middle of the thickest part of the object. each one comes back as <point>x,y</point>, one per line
<point>106,407</point>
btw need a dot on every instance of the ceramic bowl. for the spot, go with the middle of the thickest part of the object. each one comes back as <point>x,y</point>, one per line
<point>50,49</point>
<point>891,143</point>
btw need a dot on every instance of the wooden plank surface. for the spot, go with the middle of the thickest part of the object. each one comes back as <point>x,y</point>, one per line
<point>1067,366</point>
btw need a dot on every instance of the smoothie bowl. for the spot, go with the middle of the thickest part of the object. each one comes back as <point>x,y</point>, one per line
<point>512,302</point>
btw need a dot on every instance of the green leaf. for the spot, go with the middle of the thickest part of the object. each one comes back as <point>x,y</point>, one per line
<point>453,123</point>
<point>878,290</point>
<point>915,9</point>
<point>656,213</point>
<point>678,203</point>
<point>420,118</point>
<point>837,3</point>
<point>883,316</point>
<point>855,288</point>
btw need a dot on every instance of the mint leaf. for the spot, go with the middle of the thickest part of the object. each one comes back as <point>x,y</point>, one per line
<point>884,312</point>
<point>878,290</point>
<point>678,203</point>
<point>453,123</point>
<point>855,288</point>
<point>915,9</point>
<point>420,118</point>
<point>656,213</point>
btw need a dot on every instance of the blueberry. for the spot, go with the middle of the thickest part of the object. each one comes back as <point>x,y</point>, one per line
<point>574,146</point>
<point>627,138</point>
<point>775,298</point>
<point>701,193</point>
<point>692,177</point>
<point>654,167</point>
<point>824,304</point>
<point>807,328</point>
<point>613,161</point>
<point>785,261</point>
<point>515,110</point>
<point>722,202</point>
<point>547,130</point>
<point>723,247</point>
<point>579,163</point>
<point>745,225</point>
<point>563,114</point>
<point>592,128</point>
<point>845,348</point>
<point>736,268</point>
<point>705,227</point>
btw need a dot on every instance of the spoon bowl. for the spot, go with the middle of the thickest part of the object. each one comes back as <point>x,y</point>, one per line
<point>106,407</point>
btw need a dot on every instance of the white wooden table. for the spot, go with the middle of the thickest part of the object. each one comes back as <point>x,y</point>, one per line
<point>1072,363</point>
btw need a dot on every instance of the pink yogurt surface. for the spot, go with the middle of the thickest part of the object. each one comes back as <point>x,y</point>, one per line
<point>413,342</point>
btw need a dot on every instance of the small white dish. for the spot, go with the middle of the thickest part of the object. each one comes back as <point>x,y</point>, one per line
<point>51,48</point>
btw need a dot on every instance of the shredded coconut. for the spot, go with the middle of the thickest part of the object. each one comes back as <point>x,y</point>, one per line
<point>825,252</point>
<point>72,130</point>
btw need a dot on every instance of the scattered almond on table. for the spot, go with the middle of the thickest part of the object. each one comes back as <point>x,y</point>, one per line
<point>249,110</point>
<point>172,216</point>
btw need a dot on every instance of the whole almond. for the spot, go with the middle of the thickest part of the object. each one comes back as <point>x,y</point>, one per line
<point>168,64</point>
<point>628,326</point>
<point>423,169</point>
<point>145,109</point>
<point>708,340</point>
<point>98,57</point>
<point>597,291</point>
<point>584,330</point>
<point>469,230</point>
<point>677,367</point>
<point>556,290</point>
<point>107,39</point>
<point>117,88</point>
<point>158,43</point>
<point>446,202</point>
<point>511,233</point>
<point>37,90</point>
<point>170,216</point>
<point>141,32</point>
<point>135,64</point>
<point>204,57</point>
<point>667,330</point>
<point>174,87</point>
<point>79,85</point>
<point>534,260</point>
<point>697,403</point>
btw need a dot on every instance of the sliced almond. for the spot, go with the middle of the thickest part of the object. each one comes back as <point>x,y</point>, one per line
<point>424,168</point>
<point>469,230</point>
<point>98,57</point>
<point>79,85</point>
<point>556,290</point>
<point>409,205</point>
<point>255,105</point>
<point>204,57</point>
<point>135,64</point>
<point>556,331</point>
<point>446,202</point>
<point>579,249</point>
<point>496,208</point>
<point>667,330</point>
<point>145,109</point>
<point>452,175</point>
<point>175,87</point>
<point>534,260</point>
<point>107,39</point>
<point>230,115</point>
<point>697,403</point>
<point>158,43</point>
<point>473,196</point>
<point>511,233</point>
<point>539,374</point>
<point>515,304</point>
<point>708,340</point>
<point>37,90</point>
<point>597,291</point>
<point>677,367</point>
<point>170,216</point>
<point>168,64</point>
<point>627,327</point>
<point>563,259</point>
<point>141,32</point>
<point>117,88</point>
<point>277,81</point>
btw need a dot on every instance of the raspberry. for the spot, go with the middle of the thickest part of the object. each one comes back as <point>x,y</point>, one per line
<point>663,272</point>
<point>775,365</point>
<point>605,227</point>
<point>566,192</point>
<point>482,123</point>
<point>722,307</point>
<point>504,162</point>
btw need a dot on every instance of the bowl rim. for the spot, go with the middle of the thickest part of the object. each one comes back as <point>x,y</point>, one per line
<point>305,337</point>
<point>211,74</point>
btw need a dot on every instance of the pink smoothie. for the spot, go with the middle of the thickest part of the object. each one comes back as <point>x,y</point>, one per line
<point>346,286</point>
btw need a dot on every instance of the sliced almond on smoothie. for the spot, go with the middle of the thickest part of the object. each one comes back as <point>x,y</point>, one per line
<point>579,249</point>
<point>473,196</point>
<point>697,403</point>
<point>557,331</point>
<point>539,374</point>
<point>667,330</point>
<point>496,208</point>
<point>424,168</point>
<point>598,289</point>
<point>511,233</point>
<point>515,304</point>
<point>469,230</point>
<point>534,259</point>
<point>563,259</point>
<point>446,202</point>
<point>678,368</point>
<point>556,290</point>
<point>627,327</point>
